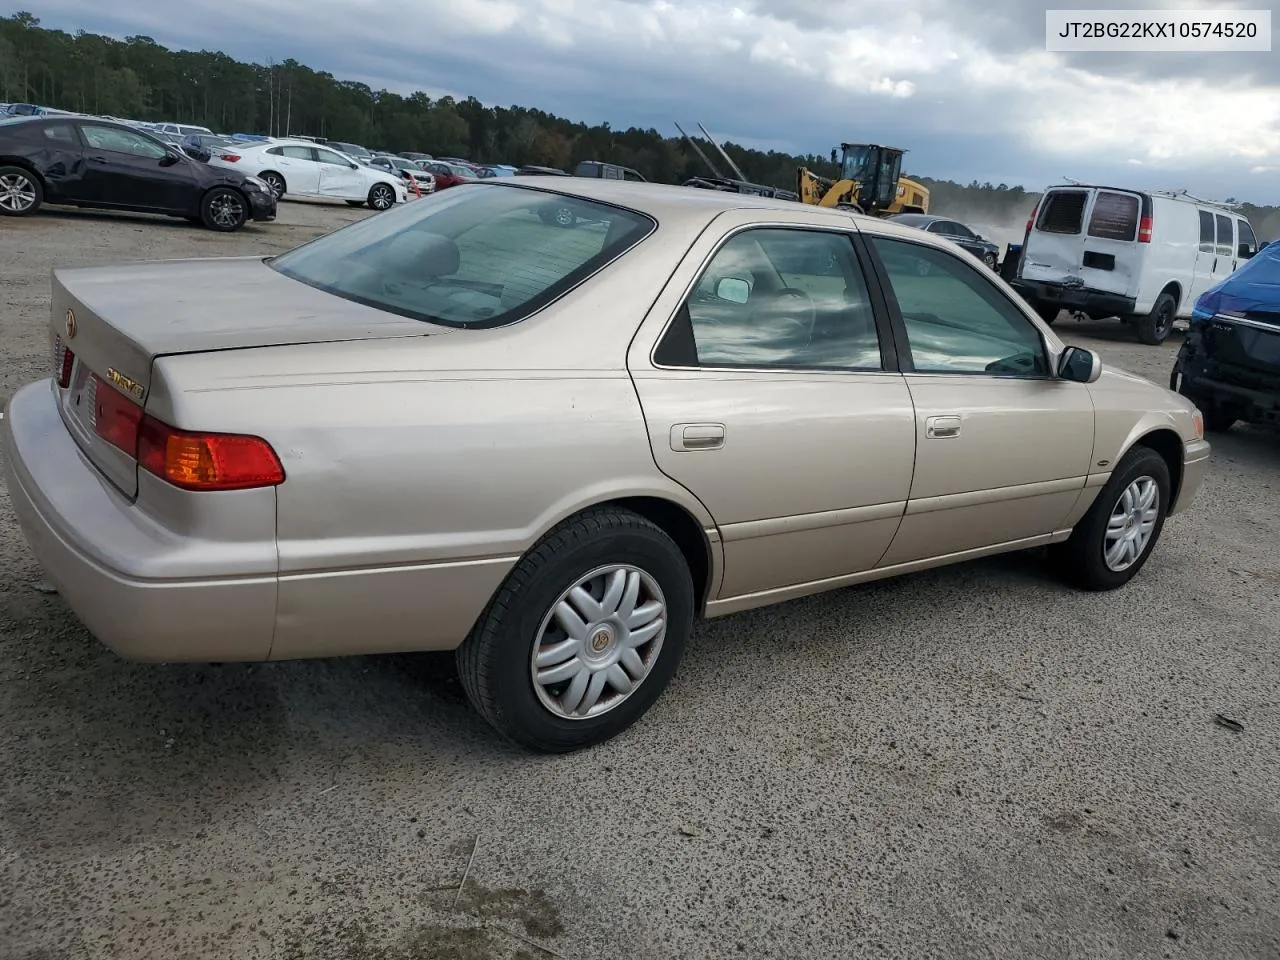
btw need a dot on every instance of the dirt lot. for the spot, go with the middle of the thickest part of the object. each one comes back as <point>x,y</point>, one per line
<point>974,762</point>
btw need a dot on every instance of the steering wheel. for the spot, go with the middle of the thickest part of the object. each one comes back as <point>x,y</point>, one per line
<point>801,311</point>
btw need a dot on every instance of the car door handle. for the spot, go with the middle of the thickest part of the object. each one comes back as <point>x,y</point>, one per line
<point>697,436</point>
<point>940,428</point>
<point>98,160</point>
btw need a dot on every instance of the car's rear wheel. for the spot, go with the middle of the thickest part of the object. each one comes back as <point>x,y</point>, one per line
<point>1116,536</point>
<point>583,636</point>
<point>21,192</point>
<point>381,196</point>
<point>990,260</point>
<point>224,210</point>
<point>274,182</point>
<point>1155,327</point>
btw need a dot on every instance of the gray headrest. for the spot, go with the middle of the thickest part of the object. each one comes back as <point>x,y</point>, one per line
<point>424,253</point>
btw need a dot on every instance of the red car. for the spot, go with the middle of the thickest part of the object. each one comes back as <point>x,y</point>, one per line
<point>447,174</point>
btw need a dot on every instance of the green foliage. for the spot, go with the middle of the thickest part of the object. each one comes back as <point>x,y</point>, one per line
<point>138,79</point>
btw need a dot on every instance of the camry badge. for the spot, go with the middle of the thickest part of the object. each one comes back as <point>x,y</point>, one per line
<point>125,383</point>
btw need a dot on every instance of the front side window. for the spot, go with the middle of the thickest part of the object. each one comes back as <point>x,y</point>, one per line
<point>956,320</point>
<point>1248,242</point>
<point>474,256</point>
<point>784,298</point>
<point>335,159</point>
<point>122,141</point>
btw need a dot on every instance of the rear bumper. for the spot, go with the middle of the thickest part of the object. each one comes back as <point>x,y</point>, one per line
<point>74,521</point>
<point>1094,302</point>
<point>1253,394</point>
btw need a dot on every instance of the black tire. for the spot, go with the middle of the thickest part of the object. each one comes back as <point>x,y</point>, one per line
<point>990,260</point>
<point>1219,419</point>
<point>382,196</point>
<point>1048,312</point>
<point>495,661</point>
<point>275,182</point>
<point>224,209</point>
<point>1081,559</point>
<point>1155,327</point>
<point>21,192</point>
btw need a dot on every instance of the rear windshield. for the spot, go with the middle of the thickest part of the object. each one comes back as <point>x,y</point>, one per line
<point>1062,212</point>
<point>1114,217</point>
<point>482,255</point>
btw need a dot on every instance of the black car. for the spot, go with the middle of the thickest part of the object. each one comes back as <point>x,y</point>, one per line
<point>953,230</point>
<point>86,162</point>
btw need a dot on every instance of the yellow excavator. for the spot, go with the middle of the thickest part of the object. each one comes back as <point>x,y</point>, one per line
<point>871,181</point>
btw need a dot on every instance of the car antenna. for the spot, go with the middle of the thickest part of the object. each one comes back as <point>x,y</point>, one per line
<point>732,165</point>
<point>705,159</point>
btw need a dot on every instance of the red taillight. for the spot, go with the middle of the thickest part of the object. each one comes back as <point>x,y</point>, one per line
<point>1144,230</point>
<point>229,157</point>
<point>1031,219</point>
<point>115,417</point>
<point>63,360</point>
<point>207,461</point>
<point>192,461</point>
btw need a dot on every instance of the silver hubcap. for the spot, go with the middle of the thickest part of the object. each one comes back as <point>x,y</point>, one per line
<point>381,197</point>
<point>1133,519</point>
<point>599,642</point>
<point>225,210</point>
<point>17,193</point>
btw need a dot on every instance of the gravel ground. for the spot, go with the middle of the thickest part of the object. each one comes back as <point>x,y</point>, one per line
<point>973,762</point>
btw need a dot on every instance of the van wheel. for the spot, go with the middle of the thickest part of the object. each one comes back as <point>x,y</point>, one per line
<point>1155,327</point>
<point>1048,311</point>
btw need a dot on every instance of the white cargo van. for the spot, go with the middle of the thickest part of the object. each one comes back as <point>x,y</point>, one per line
<point>1142,256</point>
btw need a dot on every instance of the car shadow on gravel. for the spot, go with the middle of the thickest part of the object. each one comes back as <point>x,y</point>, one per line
<point>1111,331</point>
<point>73,215</point>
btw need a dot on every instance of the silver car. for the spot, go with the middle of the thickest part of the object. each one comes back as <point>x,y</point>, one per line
<point>459,426</point>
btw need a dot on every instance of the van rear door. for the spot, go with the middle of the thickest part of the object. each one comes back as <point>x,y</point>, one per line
<point>1087,237</point>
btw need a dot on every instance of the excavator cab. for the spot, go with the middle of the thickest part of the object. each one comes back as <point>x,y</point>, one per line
<point>875,169</point>
<point>870,181</point>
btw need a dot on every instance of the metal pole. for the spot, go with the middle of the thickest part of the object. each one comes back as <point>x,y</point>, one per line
<point>727,160</point>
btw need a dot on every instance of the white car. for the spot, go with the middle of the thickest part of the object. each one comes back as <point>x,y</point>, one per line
<point>303,169</point>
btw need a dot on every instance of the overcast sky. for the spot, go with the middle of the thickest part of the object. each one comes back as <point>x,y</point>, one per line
<point>965,85</point>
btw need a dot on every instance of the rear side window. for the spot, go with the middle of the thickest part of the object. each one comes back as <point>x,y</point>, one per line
<point>1206,232</point>
<point>476,256</point>
<point>1062,212</point>
<point>1114,217</point>
<point>1226,236</point>
<point>61,133</point>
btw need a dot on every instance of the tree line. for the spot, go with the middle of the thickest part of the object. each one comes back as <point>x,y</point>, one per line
<point>139,79</point>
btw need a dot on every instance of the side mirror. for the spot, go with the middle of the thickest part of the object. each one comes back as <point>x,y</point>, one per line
<point>733,290</point>
<point>1079,365</point>
<point>171,156</point>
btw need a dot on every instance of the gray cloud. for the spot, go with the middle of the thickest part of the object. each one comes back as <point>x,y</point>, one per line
<point>976,110</point>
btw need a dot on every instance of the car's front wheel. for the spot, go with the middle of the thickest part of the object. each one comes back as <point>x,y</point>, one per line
<point>1116,536</point>
<point>583,636</point>
<point>224,210</point>
<point>381,196</point>
<point>990,260</point>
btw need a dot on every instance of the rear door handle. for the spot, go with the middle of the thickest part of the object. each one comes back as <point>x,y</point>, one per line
<point>697,436</point>
<point>940,428</point>
<point>97,159</point>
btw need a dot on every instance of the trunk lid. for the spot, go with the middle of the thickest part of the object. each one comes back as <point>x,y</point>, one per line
<point>116,320</point>
<point>1085,237</point>
<point>1250,342</point>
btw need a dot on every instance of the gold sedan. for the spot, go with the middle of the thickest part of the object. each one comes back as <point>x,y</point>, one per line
<point>548,424</point>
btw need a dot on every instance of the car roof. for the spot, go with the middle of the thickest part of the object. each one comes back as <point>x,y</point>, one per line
<point>668,201</point>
